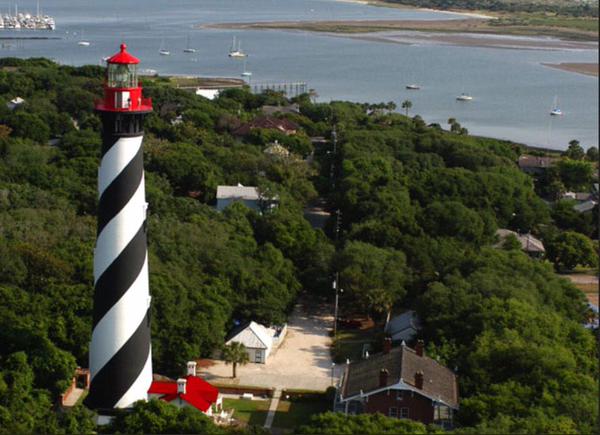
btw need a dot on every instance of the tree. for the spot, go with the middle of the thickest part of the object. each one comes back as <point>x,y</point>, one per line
<point>511,243</point>
<point>576,174</point>
<point>235,353</point>
<point>570,249</point>
<point>575,151</point>
<point>335,423</point>
<point>406,105</point>
<point>374,277</point>
<point>158,417</point>
<point>592,154</point>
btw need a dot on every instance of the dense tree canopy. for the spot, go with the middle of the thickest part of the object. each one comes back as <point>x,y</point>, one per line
<point>418,209</point>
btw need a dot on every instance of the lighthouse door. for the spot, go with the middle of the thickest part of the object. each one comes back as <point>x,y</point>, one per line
<point>122,100</point>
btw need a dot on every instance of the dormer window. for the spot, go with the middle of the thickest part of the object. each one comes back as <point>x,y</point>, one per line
<point>122,75</point>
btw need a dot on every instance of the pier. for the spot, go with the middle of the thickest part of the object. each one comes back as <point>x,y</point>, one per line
<point>290,89</point>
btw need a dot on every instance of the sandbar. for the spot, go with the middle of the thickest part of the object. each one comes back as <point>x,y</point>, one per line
<point>589,69</point>
<point>474,32</point>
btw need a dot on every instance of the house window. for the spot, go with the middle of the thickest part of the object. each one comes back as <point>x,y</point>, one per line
<point>403,412</point>
<point>399,394</point>
<point>393,412</point>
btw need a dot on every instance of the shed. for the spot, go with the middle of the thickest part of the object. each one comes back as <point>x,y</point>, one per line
<point>403,327</point>
<point>259,340</point>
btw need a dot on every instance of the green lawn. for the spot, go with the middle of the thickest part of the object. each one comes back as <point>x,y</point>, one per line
<point>349,343</point>
<point>291,414</point>
<point>252,412</point>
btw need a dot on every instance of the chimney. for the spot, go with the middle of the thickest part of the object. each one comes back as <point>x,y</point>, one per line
<point>419,347</point>
<point>181,383</point>
<point>383,377</point>
<point>419,379</point>
<point>387,345</point>
<point>191,368</point>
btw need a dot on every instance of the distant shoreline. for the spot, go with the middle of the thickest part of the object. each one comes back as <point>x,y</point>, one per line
<point>588,69</point>
<point>384,4</point>
<point>464,32</point>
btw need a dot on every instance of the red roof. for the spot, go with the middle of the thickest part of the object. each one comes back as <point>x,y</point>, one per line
<point>198,393</point>
<point>123,57</point>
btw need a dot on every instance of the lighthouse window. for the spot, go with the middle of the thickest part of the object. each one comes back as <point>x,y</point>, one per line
<point>122,100</point>
<point>122,75</point>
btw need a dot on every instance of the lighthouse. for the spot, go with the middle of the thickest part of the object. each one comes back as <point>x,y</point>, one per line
<point>120,351</point>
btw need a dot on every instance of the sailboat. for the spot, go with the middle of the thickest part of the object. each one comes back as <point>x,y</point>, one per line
<point>555,111</point>
<point>162,50</point>
<point>187,48</point>
<point>246,73</point>
<point>236,51</point>
<point>83,42</point>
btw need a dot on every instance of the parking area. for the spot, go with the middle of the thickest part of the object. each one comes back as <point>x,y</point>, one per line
<point>303,361</point>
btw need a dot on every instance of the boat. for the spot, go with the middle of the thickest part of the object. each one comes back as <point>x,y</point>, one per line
<point>555,111</point>
<point>187,48</point>
<point>83,42</point>
<point>236,51</point>
<point>413,87</point>
<point>162,50</point>
<point>246,73</point>
<point>464,97</point>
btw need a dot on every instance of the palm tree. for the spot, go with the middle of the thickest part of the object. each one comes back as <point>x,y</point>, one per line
<point>235,353</point>
<point>406,104</point>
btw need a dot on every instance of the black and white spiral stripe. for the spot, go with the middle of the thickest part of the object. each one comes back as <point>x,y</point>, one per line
<point>120,352</point>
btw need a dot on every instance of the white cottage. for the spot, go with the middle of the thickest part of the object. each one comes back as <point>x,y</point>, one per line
<point>259,340</point>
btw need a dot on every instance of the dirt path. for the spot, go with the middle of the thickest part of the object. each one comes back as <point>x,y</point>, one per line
<point>303,361</point>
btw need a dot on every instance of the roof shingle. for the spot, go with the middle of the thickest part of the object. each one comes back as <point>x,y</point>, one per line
<point>402,363</point>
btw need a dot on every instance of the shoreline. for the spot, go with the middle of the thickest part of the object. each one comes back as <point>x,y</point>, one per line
<point>384,4</point>
<point>471,32</point>
<point>588,69</point>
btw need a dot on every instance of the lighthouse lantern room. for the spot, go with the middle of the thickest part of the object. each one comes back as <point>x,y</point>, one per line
<point>121,90</point>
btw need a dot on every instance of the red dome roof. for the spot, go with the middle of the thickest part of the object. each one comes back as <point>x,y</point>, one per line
<point>123,57</point>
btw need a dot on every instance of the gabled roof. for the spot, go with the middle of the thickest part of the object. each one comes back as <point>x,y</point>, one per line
<point>585,206</point>
<point>237,192</point>
<point>269,122</point>
<point>536,162</point>
<point>402,363</point>
<point>199,393</point>
<point>252,335</point>
<point>403,322</point>
<point>276,149</point>
<point>528,242</point>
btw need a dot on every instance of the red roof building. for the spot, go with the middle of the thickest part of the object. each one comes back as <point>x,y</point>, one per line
<point>189,390</point>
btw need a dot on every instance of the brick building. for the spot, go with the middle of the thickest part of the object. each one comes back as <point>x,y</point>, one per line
<point>399,382</point>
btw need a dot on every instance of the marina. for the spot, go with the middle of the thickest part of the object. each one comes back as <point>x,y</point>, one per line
<point>26,20</point>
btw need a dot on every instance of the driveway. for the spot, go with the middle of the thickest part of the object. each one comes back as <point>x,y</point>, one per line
<point>303,361</point>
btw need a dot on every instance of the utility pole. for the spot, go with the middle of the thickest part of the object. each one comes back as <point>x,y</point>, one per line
<point>335,309</point>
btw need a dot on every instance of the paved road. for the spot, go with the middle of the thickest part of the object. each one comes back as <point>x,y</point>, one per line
<point>272,409</point>
<point>302,361</point>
